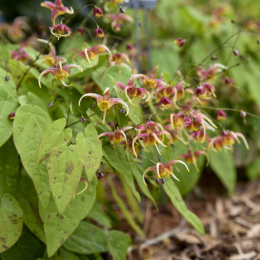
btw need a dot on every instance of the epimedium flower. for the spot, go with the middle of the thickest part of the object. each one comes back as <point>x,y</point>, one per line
<point>153,138</point>
<point>192,157</point>
<point>118,136</point>
<point>100,33</point>
<point>226,139</point>
<point>179,42</point>
<point>97,12</point>
<point>165,103</point>
<point>204,92</point>
<point>149,127</point>
<point>164,170</point>
<point>57,9</point>
<point>90,54</point>
<point>210,73</point>
<point>149,81</point>
<point>118,19</point>
<point>51,58</point>
<point>20,55</point>
<point>221,115</point>
<point>132,91</point>
<point>119,58</point>
<point>60,72</point>
<point>105,102</point>
<point>60,30</point>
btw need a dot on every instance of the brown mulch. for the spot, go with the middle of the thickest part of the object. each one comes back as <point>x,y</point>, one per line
<point>232,227</point>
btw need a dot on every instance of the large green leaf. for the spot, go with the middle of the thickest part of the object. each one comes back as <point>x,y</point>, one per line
<point>64,169</point>
<point>27,247</point>
<point>114,74</point>
<point>8,104</point>
<point>97,213</point>
<point>90,150</point>
<point>223,165</point>
<point>11,222</point>
<point>87,239</point>
<point>58,227</point>
<point>51,137</point>
<point>176,199</point>
<point>9,169</point>
<point>29,202</point>
<point>62,254</point>
<point>118,243</point>
<point>29,125</point>
<point>117,159</point>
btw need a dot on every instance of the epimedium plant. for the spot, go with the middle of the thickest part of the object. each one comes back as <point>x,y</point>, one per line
<point>65,127</point>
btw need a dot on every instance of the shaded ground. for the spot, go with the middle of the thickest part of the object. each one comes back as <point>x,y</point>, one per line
<point>232,226</point>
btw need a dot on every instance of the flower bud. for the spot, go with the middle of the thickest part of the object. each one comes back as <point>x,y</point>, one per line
<point>11,115</point>
<point>122,10</point>
<point>180,42</point>
<point>243,114</point>
<point>214,58</point>
<point>50,105</point>
<point>162,180</point>
<point>122,110</point>
<point>236,52</point>
<point>129,47</point>
<point>100,176</point>
<point>7,78</point>
<point>81,31</point>
<point>82,119</point>
<point>158,181</point>
<point>228,81</point>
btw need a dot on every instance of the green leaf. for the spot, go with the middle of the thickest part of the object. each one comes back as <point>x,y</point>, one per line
<point>29,202</point>
<point>97,214</point>
<point>90,150</point>
<point>52,136</point>
<point>117,159</point>
<point>63,254</point>
<point>29,125</point>
<point>64,169</point>
<point>11,222</point>
<point>118,243</point>
<point>223,165</point>
<point>9,85</point>
<point>87,239</point>
<point>9,169</point>
<point>58,227</point>
<point>114,74</point>
<point>32,99</point>
<point>27,247</point>
<point>8,104</point>
<point>253,170</point>
<point>176,199</point>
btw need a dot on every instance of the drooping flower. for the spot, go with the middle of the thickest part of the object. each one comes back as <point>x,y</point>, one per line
<point>153,138</point>
<point>118,136</point>
<point>119,58</point>
<point>60,72</point>
<point>90,54</point>
<point>105,102</point>
<point>149,127</point>
<point>221,115</point>
<point>192,157</point>
<point>132,91</point>
<point>164,170</point>
<point>20,54</point>
<point>118,19</point>
<point>179,42</point>
<point>100,33</point>
<point>165,103</point>
<point>81,31</point>
<point>210,73</point>
<point>60,30</point>
<point>149,81</point>
<point>226,139</point>
<point>204,92</point>
<point>51,58</point>
<point>57,9</point>
<point>98,12</point>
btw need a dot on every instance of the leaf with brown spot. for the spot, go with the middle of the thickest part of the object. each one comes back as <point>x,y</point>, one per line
<point>11,221</point>
<point>90,150</point>
<point>64,170</point>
